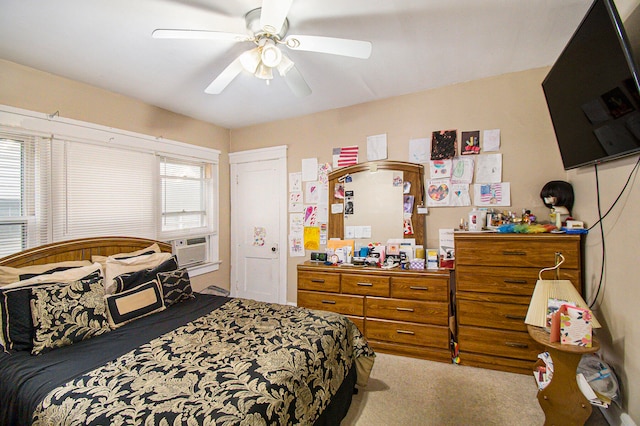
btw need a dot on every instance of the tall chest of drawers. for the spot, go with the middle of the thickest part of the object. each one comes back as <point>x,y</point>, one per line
<point>402,312</point>
<point>495,278</point>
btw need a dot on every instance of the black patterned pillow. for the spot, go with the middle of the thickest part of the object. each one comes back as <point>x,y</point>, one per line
<point>176,286</point>
<point>130,280</point>
<point>68,313</point>
<point>15,309</point>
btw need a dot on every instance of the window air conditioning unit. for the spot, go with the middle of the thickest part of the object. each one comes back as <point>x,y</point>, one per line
<point>190,251</point>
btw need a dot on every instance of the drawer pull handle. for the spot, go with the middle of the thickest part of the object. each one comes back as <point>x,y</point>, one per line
<point>329,302</point>
<point>366,284</point>
<point>511,281</point>
<point>517,345</point>
<point>405,332</point>
<point>405,309</point>
<point>515,317</point>
<point>514,253</point>
<point>417,287</point>
<point>317,280</point>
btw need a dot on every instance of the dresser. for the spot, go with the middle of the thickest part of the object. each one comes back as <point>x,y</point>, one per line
<point>402,312</point>
<point>495,277</point>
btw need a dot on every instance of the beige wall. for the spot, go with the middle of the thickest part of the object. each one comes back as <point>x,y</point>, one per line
<point>619,297</point>
<point>34,90</point>
<point>515,104</point>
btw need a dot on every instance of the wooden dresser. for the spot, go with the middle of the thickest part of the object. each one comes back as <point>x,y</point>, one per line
<point>402,312</point>
<point>495,277</point>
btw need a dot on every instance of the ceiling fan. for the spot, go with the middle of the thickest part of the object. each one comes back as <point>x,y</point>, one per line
<point>267,29</point>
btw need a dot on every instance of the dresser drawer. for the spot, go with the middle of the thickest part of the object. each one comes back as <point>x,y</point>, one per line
<point>427,288</point>
<point>537,251</point>
<point>506,280</point>
<point>407,333</point>
<point>319,281</point>
<point>501,343</point>
<point>366,285</point>
<point>507,316</point>
<point>358,321</point>
<point>436,313</point>
<point>503,280</point>
<point>340,303</point>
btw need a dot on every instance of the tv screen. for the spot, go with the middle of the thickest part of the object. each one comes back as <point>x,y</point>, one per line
<point>593,89</point>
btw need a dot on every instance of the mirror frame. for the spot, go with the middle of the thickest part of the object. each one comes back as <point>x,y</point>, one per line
<point>412,172</point>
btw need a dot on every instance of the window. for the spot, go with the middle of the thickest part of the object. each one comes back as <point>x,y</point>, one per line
<point>24,165</point>
<point>186,197</point>
<point>97,181</point>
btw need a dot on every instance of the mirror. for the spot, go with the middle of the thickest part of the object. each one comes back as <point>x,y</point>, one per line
<point>377,201</point>
<point>374,196</point>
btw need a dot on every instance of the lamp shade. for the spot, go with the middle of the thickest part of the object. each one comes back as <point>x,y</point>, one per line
<point>271,54</point>
<point>264,72</point>
<point>250,60</point>
<point>553,289</point>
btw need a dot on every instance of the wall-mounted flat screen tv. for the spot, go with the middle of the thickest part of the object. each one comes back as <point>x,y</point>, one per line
<point>593,89</point>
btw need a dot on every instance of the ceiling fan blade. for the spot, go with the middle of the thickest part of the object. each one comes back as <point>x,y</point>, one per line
<point>225,77</point>
<point>199,35</point>
<point>273,14</point>
<point>296,83</point>
<point>334,46</point>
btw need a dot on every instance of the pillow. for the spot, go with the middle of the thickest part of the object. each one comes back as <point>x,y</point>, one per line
<point>10,275</point>
<point>176,286</point>
<point>133,279</point>
<point>153,248</point>
<point>64,314</point>
<point>16,325</point>
<point>115,267</point>
<point>66,276</point>
<point>137,302</point>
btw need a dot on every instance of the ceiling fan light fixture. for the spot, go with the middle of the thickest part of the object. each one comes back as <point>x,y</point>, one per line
<point>271,55</point>
<point>264,72</point>
<point>285,65</point>
<point>250,60</point>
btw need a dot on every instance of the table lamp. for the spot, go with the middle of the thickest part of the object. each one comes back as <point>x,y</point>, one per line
<point>553,289</point>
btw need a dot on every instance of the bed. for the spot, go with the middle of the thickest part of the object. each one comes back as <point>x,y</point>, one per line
<point>95,332</point>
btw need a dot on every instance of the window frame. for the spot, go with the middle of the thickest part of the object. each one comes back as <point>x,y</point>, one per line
<point>209,185</point>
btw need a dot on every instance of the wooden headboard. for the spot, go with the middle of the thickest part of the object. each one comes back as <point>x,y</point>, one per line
<point>80,249</point>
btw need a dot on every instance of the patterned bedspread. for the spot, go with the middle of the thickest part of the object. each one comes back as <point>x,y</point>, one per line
<point>247,363</point>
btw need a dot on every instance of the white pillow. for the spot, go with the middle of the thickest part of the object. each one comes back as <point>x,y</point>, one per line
<point>115,267</point>
<point>10,275</point>
<point>103,259</point>
<point>66,276</point>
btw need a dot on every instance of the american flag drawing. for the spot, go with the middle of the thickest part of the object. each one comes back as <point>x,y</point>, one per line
<point>491,193</point>
<point>345,156</point>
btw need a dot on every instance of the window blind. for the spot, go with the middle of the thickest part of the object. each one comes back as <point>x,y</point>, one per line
<point>100,190</point>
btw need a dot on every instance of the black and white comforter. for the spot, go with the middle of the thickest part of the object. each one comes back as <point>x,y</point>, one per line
<point>245,362</point>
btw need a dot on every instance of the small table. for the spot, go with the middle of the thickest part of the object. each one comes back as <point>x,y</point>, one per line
<point>562,400</point>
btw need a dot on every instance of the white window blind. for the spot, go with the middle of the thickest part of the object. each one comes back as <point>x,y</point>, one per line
<point>101,190</point>
<point>24,191</point>
<point>186,191</point>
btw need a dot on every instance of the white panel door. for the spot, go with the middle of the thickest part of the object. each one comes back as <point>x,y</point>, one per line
<point>257,229</point>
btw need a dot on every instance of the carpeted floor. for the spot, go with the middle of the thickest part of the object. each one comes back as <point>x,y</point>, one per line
<point>407,391</point>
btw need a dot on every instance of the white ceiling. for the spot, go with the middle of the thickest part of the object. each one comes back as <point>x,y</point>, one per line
<point>417,45</point>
